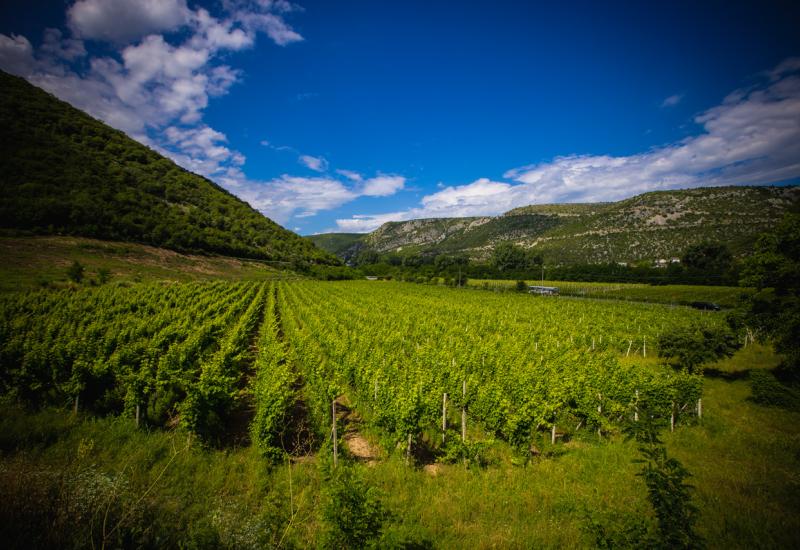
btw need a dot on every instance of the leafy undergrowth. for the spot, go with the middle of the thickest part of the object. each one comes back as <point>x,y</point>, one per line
<point>76,481</point>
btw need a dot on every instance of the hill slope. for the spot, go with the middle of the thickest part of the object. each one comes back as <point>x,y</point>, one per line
<point>653,225</point>
<point>63,172</point>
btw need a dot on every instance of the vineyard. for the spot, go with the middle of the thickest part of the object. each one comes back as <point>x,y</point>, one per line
<point>414,359</point>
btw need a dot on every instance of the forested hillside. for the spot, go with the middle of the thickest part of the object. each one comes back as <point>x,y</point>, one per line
<point>63,172</point>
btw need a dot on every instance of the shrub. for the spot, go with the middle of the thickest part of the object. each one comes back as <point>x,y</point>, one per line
<point>353,513</point>
<point>75,272</point>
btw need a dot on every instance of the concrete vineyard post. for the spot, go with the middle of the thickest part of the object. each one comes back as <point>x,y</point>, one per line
<point>700,408</point>
<point>137,415</point>
<point>464,411</point>
<point>553,434</point>
<point>636,408</point>
<point>408,450</point>
<point>672,418</point>
<point>77,400</point>
<point>444,415</point>
<point>335,439</point>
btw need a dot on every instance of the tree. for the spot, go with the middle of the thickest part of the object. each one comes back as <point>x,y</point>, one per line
<point>75,272</point>
<point>708,259</point>
<point>507,256</point>
<point>774,270</point>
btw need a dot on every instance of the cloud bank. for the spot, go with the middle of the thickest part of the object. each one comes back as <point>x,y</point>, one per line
<point>751,138</point>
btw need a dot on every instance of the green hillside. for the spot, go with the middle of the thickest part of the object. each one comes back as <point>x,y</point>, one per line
<point>63,172</point>
<point>342,245</point>
<point>650,226</point>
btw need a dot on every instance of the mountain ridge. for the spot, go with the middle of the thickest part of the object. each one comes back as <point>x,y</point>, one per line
<point>649,226</point>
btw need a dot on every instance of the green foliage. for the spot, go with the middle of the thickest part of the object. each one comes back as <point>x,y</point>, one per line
<point>507,256</point>
<point>353,513</point>
<point>708,258</point>
<point>75,272</point>
<point>64,172</point>
<point>775,310</point>
<point>521,286</point>
<point>103,275</point>
<point>691,346</point>
<point>667,490</point>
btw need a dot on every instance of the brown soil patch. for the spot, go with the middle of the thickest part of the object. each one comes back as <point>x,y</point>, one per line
<point>433,469</point>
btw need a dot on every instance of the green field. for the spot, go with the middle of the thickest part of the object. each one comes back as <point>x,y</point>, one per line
<point>232,385</point>
<point>724,296</point>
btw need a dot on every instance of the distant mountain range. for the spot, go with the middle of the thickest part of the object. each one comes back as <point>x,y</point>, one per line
<point>650,226</point>
<point>64,173</point>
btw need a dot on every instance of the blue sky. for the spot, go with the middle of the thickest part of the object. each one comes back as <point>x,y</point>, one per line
<point>343,115</point>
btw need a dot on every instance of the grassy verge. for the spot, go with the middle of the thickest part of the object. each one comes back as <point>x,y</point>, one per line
<point>30,262</point>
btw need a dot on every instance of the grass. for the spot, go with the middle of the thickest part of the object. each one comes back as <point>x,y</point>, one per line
<point>30,262</point>
<point>745,461</point>
<point>725,296</point>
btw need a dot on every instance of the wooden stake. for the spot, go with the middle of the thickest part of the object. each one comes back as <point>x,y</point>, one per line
<point>77,399</point>
<point>630,343</point>
<point>636,408</point>
<point>672,418</point>
<point>335,438</point>
<point>408,450</point>
<point>553,434</point>
<point>137,415</point>
<point>644,348</point>
<point>700,408</point>
<point>464,411</point>
<point>444,415</point>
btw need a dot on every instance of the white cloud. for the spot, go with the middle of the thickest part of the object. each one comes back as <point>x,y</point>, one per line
<point>123,21</point>
<point>362,223</point>
<point>282,197</point>
<point>751,138</point>
<point>349,174</point>
<point>318,164</point>
<point>16,54</point>
<point>382,186</point>
<point>672,100</point>
<point>154,87</point>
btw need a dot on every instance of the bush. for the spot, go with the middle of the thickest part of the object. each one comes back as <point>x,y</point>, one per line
<point>521,286</point>
<point>353,513</point>
<point>75,272</point>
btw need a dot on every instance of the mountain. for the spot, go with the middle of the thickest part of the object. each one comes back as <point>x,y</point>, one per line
<point>63,172</point>
<point>659,224</point>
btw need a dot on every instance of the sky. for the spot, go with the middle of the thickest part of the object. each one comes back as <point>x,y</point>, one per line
<point>340,116</point>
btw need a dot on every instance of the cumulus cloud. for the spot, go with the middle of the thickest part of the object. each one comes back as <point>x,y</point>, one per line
<point>153,86</point>
<point>318,164</point>
<point>286,196</point>
<point>672,100</point>
<point>382,186</point>
<point>123,21</point>
<point>751,138</point>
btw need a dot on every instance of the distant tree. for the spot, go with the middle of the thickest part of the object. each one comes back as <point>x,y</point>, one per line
<point>710,259</point>
<point>507,256</point>
<point>366,257</point>
<point>75,272</point>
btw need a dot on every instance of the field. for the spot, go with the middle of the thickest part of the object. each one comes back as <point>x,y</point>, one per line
<point>489,417</point>
<point>724,296</point>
